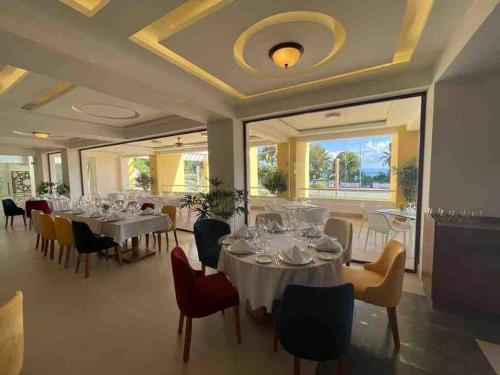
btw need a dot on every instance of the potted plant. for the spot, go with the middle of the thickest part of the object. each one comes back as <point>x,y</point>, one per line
<point>217,203</point>
<point>144,181</point>
<point>276,182</point>
<point>407,176</point>
<point>62,189</point>
<point>45,187</point>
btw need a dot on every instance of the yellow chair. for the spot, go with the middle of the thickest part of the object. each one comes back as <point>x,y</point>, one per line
<point>35,220</point>
<point>48,233</point>
<point>171,211</point>
<point>380,283</point>
<point>12,336</point>
<point>64,236</point>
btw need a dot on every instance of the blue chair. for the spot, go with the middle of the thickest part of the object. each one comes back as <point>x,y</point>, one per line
<point>87,242</point>
<point>315,323</point>
<point>10,209</point>
<point>206,235</point>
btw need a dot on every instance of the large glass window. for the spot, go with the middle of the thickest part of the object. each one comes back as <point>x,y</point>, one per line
<point>55,168</point>
<point>157,170</point>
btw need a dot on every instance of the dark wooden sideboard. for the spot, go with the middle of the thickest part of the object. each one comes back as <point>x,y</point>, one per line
<point>461,264</point>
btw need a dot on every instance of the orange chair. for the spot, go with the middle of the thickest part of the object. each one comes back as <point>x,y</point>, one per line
<point>381,283</point>
<point>48,234</point>
<point>64,236</point>
<point>171,211</point>
<point>12,336</point>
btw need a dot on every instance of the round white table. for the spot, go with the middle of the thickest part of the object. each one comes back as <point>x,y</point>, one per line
<point>261,284</point>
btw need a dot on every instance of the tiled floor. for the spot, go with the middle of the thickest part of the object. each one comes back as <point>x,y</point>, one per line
<point>123,320</point>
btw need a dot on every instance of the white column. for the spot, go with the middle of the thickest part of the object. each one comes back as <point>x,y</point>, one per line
<point>71,171</point>
<point>226,155</point>
<point>41,167</point>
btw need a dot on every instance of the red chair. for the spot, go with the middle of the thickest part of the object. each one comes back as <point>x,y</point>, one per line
<point>199,296</point>
<point>39,204</point>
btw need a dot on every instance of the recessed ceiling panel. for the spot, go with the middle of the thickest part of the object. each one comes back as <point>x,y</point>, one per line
<point>91,106</point>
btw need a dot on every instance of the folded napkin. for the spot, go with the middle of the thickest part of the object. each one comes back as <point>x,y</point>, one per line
<point>295,256</point>
<point>312,232</point>
<point>273,226</point>
<point>95,214</point>
<point>241,246</point>
<point>148,211</point>
<point>245,232</point>
<point>113,217</point>
<point>327,244</point>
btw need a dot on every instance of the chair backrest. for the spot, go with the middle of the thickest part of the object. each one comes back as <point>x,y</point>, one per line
<point>147,205</point>
<point>391,264</point>
<point>206,234</point>
<point>64,231</point>
<point>35,219</point>
<point>267,217</point>
<point>314,216</point>
<point>342,230</point>
<point>41,205</point>
<point>171,211</point>
<point>378,222</point>
<point>84,237</point>
<point>47,226</point>
<point>12,336</point>
<point>9,206</point>
<point>186,292</point>
<point>316,322</point>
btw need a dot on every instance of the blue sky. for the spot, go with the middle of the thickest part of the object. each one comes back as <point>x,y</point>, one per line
<point>372,148</point>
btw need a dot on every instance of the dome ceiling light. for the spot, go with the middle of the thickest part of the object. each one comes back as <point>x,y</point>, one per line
<point>40,135</point>
<point>286,54</point>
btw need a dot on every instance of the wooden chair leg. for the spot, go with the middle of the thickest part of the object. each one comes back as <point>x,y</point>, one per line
<point>118,253</point>
<point>46,249</point>
<point>342,365</point>
<point>37,241</point>
<point>187,339</point>
<point>61,249</point>
<point>68,249</point>
<point>11,220</point>
<point>366,240</point>
<point>275,340</point>
<point>78,259</point>
<point>181,323</point>
<point>87,266</point>
<point>203,269</point>
<point>296,366</point>
<point>159,242</point>
<point>168,244</point>
<point>24,219</point>
<point>175,236</point>
<point>237,323</point>
<point>393,321</point>
<point>6,221</point>
<point>51,249</point>
<point>147,240</point>
<point>30,224</point>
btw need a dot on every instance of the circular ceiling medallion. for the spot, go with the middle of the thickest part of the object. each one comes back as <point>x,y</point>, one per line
<point>106,111</point>
<point>335,28</point>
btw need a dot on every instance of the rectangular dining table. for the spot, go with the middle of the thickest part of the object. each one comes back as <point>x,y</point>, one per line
<point>129,227</point>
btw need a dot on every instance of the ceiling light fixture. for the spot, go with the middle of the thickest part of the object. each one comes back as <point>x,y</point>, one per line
<point>286,54</point>
<point>332,115</point>
<point>40,135</point>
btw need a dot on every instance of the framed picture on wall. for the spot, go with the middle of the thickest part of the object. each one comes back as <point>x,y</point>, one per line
<point>21,182</point>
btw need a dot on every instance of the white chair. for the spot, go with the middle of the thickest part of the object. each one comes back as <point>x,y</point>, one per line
<point>313,216</point>
<point>380,223</point>
<point>342,230</point>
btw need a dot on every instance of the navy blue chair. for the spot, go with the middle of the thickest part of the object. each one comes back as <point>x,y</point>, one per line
<point>315,323</point>
<point>206,235</point>
<point>86,242</point>
<point>10,209</point>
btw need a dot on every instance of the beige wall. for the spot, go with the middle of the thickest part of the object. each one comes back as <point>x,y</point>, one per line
<point>405,145</point>
<point>107,171</point>
<point>465,152</point>
<point>168,170</point>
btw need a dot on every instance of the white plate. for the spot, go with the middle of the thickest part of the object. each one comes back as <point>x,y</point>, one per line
<point>326,256</point>
<point>264,259</point>
<point>308,259</point>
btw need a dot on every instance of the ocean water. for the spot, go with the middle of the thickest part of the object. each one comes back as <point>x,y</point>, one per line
<point>374,171</point>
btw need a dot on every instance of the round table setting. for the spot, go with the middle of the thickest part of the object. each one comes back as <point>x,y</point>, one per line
<point>262,264</point>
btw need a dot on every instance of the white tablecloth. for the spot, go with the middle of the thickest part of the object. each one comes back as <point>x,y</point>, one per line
<point>60,203</point>
<point>124,229</point>
<point>262,284</point>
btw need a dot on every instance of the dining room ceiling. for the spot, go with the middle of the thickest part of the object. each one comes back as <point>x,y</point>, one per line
<point>90,73</point>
